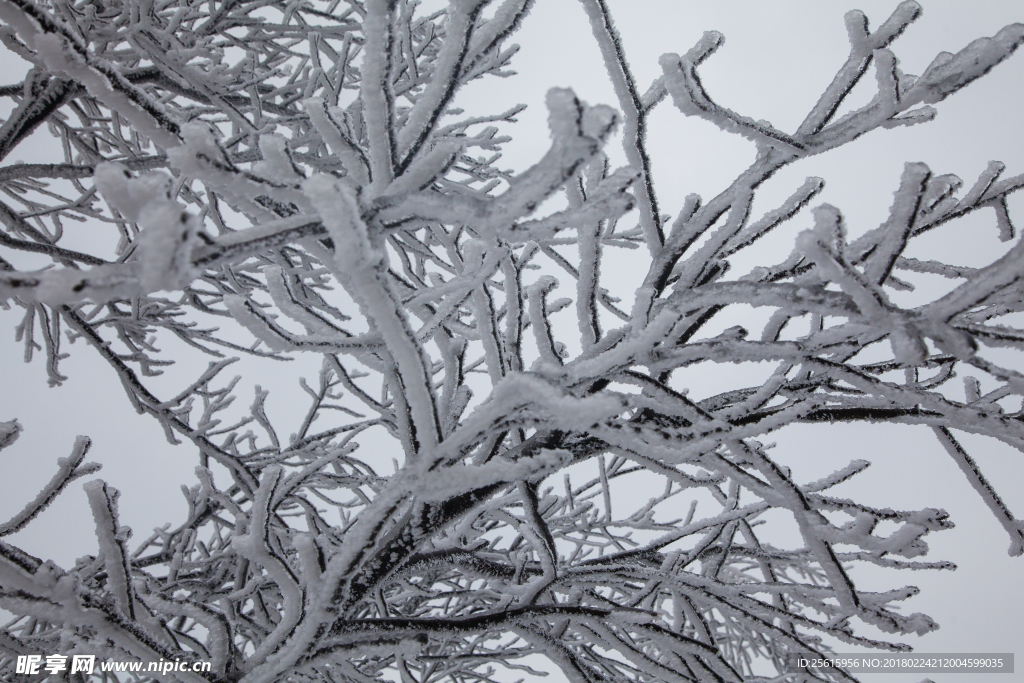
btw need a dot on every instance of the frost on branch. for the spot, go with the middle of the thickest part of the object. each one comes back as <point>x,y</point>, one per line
<point>502,458</point>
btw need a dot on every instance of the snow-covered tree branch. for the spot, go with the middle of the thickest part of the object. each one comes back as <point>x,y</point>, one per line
<point>297,182</point>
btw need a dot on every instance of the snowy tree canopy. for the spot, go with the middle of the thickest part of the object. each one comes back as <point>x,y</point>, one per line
<point>499,470</point>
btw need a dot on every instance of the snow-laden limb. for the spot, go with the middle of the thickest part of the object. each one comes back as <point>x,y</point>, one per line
<point>376,91</point>
<point>9,433</point>
<point>69,469</point>
<point>689,96</point>
<point>163,251</point>
<point>425,113</point>
<point>966,463</point>
<point>948,72</point>
<point>257,546</point>
<point>91,622</point>
<point>352,157</point>
<point>46,95</point>
<point>635,115</point>
<point>362,265</point>
<point>451,499</point>
<point>57,48</point>
<point>863,44</point>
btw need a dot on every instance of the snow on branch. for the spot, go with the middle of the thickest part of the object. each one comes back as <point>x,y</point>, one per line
<point>499,457</point>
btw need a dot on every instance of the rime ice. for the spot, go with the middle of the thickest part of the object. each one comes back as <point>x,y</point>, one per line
<point>499,461</point>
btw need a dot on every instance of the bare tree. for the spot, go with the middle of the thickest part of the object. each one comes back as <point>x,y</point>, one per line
<point>293,180</point>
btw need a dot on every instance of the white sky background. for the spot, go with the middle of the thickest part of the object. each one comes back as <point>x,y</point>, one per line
<point>778,56</point>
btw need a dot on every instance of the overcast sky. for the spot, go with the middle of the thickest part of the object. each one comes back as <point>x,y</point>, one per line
<point>777,58</point>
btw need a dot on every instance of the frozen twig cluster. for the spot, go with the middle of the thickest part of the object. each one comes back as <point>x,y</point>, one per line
<point>300,169</point>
